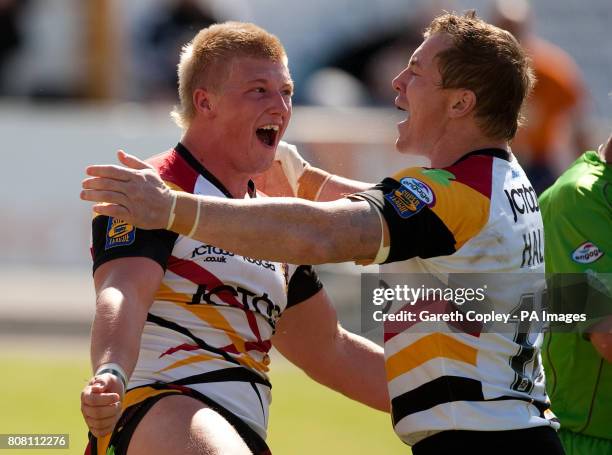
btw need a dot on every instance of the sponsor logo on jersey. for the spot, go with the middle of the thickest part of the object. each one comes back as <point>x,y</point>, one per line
<point>587,253</point>
<point>205,250</point>
<point>260,263</point>
<point>420,189</point>
<point>248,300</point>
<point>119,233</point>
<point>404,202</point>
<point>523,200</point>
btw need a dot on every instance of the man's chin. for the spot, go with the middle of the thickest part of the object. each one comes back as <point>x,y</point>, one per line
<point>404,148</point>
<point>264,164</point>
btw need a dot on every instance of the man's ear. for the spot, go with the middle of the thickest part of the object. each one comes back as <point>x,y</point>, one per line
<point>203,101</point>
<point>462,102</point>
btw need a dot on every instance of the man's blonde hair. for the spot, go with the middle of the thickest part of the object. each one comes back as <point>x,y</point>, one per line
<point>205,60</point>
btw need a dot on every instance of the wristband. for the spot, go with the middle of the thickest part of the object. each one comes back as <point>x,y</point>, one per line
<point>172,214</point>
<point>196,221</point>
<point>311,183</point>
<point>114,369</point>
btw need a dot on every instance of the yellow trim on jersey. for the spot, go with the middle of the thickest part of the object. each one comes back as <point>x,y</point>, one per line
<point>102,443</point>
<point>166,293</point>
<point>173,186</point>
<point>135,396</point>
<point>189,360</point>
<point>427,348</point>
<point>243,359</point>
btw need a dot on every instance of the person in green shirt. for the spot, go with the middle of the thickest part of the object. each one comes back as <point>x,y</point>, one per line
<point>577,215</point>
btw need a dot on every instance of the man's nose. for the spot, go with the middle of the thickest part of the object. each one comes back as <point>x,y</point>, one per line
<point>397,83</point>
<point>280,104</point>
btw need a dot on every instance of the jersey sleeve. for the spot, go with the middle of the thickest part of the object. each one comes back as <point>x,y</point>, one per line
<point>431,212</point>
<point>113,238</point>
<point>303,284</point>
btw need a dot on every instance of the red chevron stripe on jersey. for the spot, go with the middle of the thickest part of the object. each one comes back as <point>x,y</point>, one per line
<point>172,168</point>
<point>475,172</point>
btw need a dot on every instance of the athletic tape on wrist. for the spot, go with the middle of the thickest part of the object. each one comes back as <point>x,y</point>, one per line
<point>114,369</point>
<point>292,163</point>
<point>311,183</point>
<point>172,213</point>
<point>196,221</point>
<point>316,198</point>
<point>384,248</point>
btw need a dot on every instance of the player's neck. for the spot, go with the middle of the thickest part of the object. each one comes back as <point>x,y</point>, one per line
<point>450,149</point>
<point>216,163</point>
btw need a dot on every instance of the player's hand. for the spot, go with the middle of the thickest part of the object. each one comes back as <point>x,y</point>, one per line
<point>135,193</point>
<point>101,403</point>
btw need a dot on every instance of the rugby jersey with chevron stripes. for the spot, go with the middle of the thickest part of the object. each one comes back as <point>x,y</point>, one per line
<point>479,215</point>
<point>215,312</point>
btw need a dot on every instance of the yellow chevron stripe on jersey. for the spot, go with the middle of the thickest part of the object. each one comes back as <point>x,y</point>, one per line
<point>190,360</point>
<point>139,394</point>
<point>211,316</point>
<point>174,186</point>
<point>427,348</point>
<point>167,293</point>
<point>244,359</point>
<point>214,319</point>
<point>464,210</point>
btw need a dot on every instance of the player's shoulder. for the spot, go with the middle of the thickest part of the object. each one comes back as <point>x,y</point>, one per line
<point>174,170</point>
<point>460,183</point>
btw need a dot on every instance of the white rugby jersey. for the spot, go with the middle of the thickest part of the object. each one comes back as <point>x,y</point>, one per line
<point>480,215</point>
<point>214,314</point>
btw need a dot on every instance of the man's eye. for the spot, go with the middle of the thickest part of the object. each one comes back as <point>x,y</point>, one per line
<point>259,90</point>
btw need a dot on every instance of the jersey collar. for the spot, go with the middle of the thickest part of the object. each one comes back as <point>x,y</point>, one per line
<point>199,167</point>
<point>494,152</point>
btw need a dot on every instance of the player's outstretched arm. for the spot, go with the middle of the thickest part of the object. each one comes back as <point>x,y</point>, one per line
<point>125,288</point>
<point>310,336</point>
<point>279,229</point>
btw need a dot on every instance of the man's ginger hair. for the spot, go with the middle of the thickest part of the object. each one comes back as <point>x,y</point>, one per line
<point>205,60</point>
<point>491,63</point>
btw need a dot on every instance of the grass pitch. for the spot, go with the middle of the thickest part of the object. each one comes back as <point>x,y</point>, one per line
<point>41,383</point>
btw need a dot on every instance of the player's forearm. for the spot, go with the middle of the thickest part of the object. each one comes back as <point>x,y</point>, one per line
<point>307,233</point>
<point>355,367</point>
<point>116,330</point>
<point>338,187</point>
